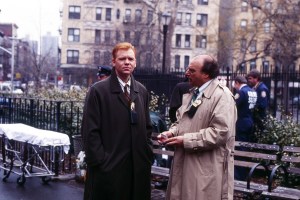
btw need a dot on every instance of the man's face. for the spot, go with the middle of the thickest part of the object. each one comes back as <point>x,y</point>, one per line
<point>252,81</point>
<point>194,74</point>
<point>124,63</point>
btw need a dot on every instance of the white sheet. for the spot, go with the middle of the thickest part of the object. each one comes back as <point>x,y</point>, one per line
<point>31,135</point>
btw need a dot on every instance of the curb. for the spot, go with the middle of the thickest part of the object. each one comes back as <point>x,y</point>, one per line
<point>65,177</point>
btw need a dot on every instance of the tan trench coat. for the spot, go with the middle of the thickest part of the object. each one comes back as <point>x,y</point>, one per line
<point>203,168</point>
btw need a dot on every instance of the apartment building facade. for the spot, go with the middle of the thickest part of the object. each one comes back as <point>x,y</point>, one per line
<point>265,35</point>
<point>90,29</point>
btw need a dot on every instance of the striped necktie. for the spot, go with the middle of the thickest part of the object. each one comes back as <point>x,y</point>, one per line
<point>126,92</point>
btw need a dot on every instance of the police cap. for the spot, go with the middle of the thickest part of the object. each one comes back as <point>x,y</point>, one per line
<point>104,70</point>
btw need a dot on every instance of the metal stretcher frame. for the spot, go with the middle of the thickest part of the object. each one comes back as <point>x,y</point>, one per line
<point>21,148</point>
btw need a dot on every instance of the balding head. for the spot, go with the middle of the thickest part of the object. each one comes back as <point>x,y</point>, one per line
<point>202,69</point>
<point>209,65</point>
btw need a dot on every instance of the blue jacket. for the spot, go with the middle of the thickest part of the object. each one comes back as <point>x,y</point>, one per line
<point>263,98</point>
<point>245,101</point>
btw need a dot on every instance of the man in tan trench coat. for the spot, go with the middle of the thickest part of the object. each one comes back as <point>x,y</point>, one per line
<point>203,136</point>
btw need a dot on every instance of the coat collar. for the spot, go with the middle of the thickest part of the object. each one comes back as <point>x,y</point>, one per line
<point>116,88</point>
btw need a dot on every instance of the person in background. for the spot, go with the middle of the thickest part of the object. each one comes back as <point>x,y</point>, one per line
<point>176,98</point>
<point>245,98</point>
<point>203,137</point>
<point>263,98</point>
<point>103,72</point>
<point>116,130</point>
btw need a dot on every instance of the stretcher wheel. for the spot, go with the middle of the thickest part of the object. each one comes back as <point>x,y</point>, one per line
<point>21,180</point>
<point>46,179</point>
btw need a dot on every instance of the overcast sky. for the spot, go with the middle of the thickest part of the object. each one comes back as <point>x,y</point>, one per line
<point>33,17</point>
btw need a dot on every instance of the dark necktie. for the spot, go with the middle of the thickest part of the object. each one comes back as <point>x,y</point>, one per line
<point>126,92</point>
<point>195,95</point>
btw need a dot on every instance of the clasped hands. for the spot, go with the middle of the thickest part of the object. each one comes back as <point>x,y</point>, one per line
<point>167,138</point>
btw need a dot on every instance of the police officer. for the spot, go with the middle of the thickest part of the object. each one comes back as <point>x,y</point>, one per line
<point>263,94</point>
<point>245,98</point>
<point>103,72</point>
<point>263,98</point>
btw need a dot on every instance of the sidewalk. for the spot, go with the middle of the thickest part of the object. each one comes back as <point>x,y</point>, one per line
<point>63,187</point>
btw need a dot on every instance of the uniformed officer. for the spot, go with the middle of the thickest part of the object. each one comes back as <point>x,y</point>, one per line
<point>103,72</point>
<point>245,98</point>
<point>263,97</point>
<point>263,94</point>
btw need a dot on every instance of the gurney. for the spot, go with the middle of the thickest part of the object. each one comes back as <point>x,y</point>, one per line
<point>23,146</point>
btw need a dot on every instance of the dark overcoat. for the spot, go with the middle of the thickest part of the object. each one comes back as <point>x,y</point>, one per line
<point>118,150</point>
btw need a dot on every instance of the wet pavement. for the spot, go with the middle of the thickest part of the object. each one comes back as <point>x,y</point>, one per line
<point>61,188</point>
<point>35,189</point>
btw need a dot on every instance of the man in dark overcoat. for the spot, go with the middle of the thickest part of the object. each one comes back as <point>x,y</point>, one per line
<point>116,130</point>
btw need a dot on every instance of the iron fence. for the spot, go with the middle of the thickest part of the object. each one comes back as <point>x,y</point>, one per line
<point>65,116</point>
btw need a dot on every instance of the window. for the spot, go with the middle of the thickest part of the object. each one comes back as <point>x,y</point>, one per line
<point>243,45</point>
<point>188,18</point>
<point>118,14</point>
<point>268,4</point>
<point>138,15</point>
<point>137,38</point>
<point>178,40</point>
<point>252,64</point>
<point>201,41</point>
<point>128,15</point>
<point>202,20</point>
<point>242,67</point>
<point>186,61</point>
<point>177,61</point>
<point>73,35</point>
<point>108,14</point>
<point>253,46</point>
<point>254,5</point>
<point>107,34</point>
<point>149,17</point>
<point>244,7</point>
<point>98,13</point>
<point>97,36</point>
<point>118,36</point>
<point>72,56</point>
<point>127,36</point>
<point>74,12</point>
<point>179,18</point>
<point>202,2</point>
<point>266,66</point>
<point>187,42</point>
<point>267,26</point>
<point>148,38</point>
<point>97,57</point>
<point>244,24</point>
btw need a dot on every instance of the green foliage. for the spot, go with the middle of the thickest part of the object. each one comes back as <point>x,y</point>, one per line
<point>282,132</point>
<point>59,95</point>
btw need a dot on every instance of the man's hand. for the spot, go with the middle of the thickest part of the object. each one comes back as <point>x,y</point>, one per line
<point>163,137</point>
<point>176,141</point>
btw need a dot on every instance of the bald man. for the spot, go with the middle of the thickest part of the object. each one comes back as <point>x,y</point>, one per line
<point>203,137</point>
